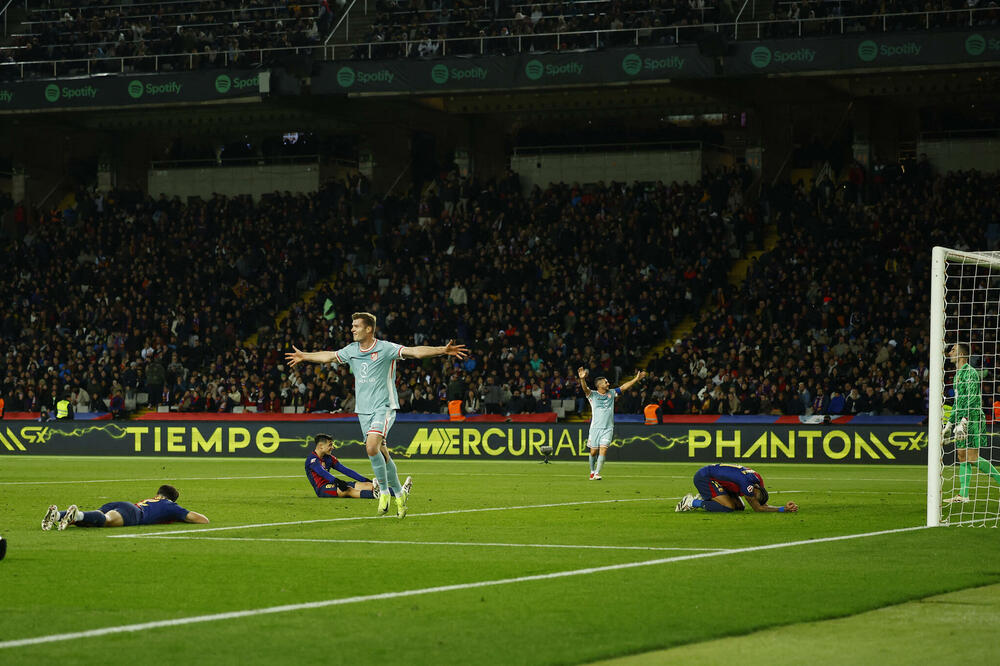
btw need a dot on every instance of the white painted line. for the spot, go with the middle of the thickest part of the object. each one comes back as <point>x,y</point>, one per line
<point>411,515</point>
<point>431,543</point>
<point>197,619</point>
<point>156,480</point>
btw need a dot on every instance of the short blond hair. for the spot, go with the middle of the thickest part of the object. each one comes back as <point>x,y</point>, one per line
<point>366,317</point>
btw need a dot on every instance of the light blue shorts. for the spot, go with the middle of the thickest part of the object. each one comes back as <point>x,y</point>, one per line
<point>600,437</point>
<point>378,422</point>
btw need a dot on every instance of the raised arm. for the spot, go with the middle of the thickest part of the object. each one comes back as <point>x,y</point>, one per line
<point>423,351</point>
<point>344,469</point>
<point>582,374</point>
<point>293,358</point>
<point>627,385</point>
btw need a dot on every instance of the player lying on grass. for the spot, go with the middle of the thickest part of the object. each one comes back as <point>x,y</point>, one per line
<point>966,423</point>
<point>321,461</point>
<point>154,511</point>
<point>721,487</point>
<point>602,419</point>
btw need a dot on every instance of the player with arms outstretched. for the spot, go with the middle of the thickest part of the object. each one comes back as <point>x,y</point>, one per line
<point>602,420</point>
<point>966,422</point>
<point>721,487</point>
<point>373,364</point>
<point>154,511</point>
<point>321,461</point>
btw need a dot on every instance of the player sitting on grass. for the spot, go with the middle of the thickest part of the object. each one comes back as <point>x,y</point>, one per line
<point>160,509</point>
<point>321,461</point>
<point>721,486</point>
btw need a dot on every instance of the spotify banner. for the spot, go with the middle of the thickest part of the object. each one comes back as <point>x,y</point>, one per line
<point>526,70</point>
<point>125,91</point>
<point>801,443</point>
<point>871,51</point>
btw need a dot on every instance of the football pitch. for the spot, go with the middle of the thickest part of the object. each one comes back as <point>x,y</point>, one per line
<point>497,563</point>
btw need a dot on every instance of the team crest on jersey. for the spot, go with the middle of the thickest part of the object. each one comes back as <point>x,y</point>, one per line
<point>750,489</point>
<point>374,356</point>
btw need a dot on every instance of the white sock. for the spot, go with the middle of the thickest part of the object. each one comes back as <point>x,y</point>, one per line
<point>600,464</point>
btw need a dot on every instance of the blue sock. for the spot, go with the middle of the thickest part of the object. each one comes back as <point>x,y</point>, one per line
<point>697,503</point>
<point>378,467</point>
<point>367,494</point>
<point>92,519</point>
<point>715,507</point>
<point>394,485</point>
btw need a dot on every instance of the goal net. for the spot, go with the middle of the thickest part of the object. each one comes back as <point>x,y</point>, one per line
<point>963,484</point>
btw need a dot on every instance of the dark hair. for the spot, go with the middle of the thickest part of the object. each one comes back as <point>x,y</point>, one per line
<point>963,349</point>
<point>323,437</point>
<point>366,317</point>
<point>169,492</point>
<point>764,495</point>
<point>597,379</point>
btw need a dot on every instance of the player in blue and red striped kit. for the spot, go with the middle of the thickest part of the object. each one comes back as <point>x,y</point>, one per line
<point>154,511</point>
<point>321,461</point>
<point>721,489</point>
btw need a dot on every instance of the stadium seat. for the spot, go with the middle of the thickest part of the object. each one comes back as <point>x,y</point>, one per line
<point>142,398</point>
<point>238,409</point>
<point>288,410</point>
<point>162,409</point>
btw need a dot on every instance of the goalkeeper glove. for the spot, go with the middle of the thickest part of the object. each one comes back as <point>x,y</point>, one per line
<point>962,430</point>
<point>947,430</point>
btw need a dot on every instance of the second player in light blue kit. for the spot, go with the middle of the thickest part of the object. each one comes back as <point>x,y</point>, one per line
<point>373,364</point>
<point>602,423</point>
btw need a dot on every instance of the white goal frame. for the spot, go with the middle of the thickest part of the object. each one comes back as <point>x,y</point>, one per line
<point>935,417</point>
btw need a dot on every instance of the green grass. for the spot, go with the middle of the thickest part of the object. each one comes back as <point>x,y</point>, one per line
<point>78,580</point>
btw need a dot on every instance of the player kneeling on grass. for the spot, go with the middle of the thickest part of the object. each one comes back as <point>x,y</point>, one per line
<point>154,511</point>
<point>721,487</point>
<point>321,461</point>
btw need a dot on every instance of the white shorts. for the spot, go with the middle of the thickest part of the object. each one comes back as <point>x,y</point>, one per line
<point>378,422</point>
<point>600,437</point>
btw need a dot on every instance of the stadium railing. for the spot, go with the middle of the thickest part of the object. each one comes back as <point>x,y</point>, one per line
<point>481,45</point>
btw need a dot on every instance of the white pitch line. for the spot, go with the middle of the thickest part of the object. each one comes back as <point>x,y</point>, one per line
<point>197,619</point>
<point>158,479</point>
<point>412,515</point>
<point>432,543</point>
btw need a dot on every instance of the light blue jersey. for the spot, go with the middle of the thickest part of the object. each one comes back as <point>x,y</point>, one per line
<point>374,371</point>
<point>603,407</point>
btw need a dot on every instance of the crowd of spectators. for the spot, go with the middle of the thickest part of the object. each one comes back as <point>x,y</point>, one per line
<point>834,319</point>
<point>417,29</point>
<point>127,294</point>
<point>821,17</point>
<point>206,33</point>
<point>420,28</point>
<point>212,33</point>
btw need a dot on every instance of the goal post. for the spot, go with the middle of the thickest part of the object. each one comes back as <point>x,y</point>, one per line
<point>963,485</point>
<point>935,400</point>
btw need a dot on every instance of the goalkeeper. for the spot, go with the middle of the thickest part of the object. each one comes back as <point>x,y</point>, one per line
<point>966,422</point>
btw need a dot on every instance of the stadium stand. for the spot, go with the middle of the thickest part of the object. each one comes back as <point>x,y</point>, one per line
<point>197,34</point>
<point>832,320</point>
<point>91,274</point>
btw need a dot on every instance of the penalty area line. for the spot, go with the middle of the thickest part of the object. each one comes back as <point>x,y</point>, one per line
<point>385,596</point>
<point>432,543</point>
<point>412,515</point>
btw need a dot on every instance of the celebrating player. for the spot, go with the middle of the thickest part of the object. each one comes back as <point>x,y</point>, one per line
<point>373,364</point>
<point>602,420</point>
<point>160,509</point>
<point>721,486</point>
<point>966,422</point>
<point>321,461</point>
